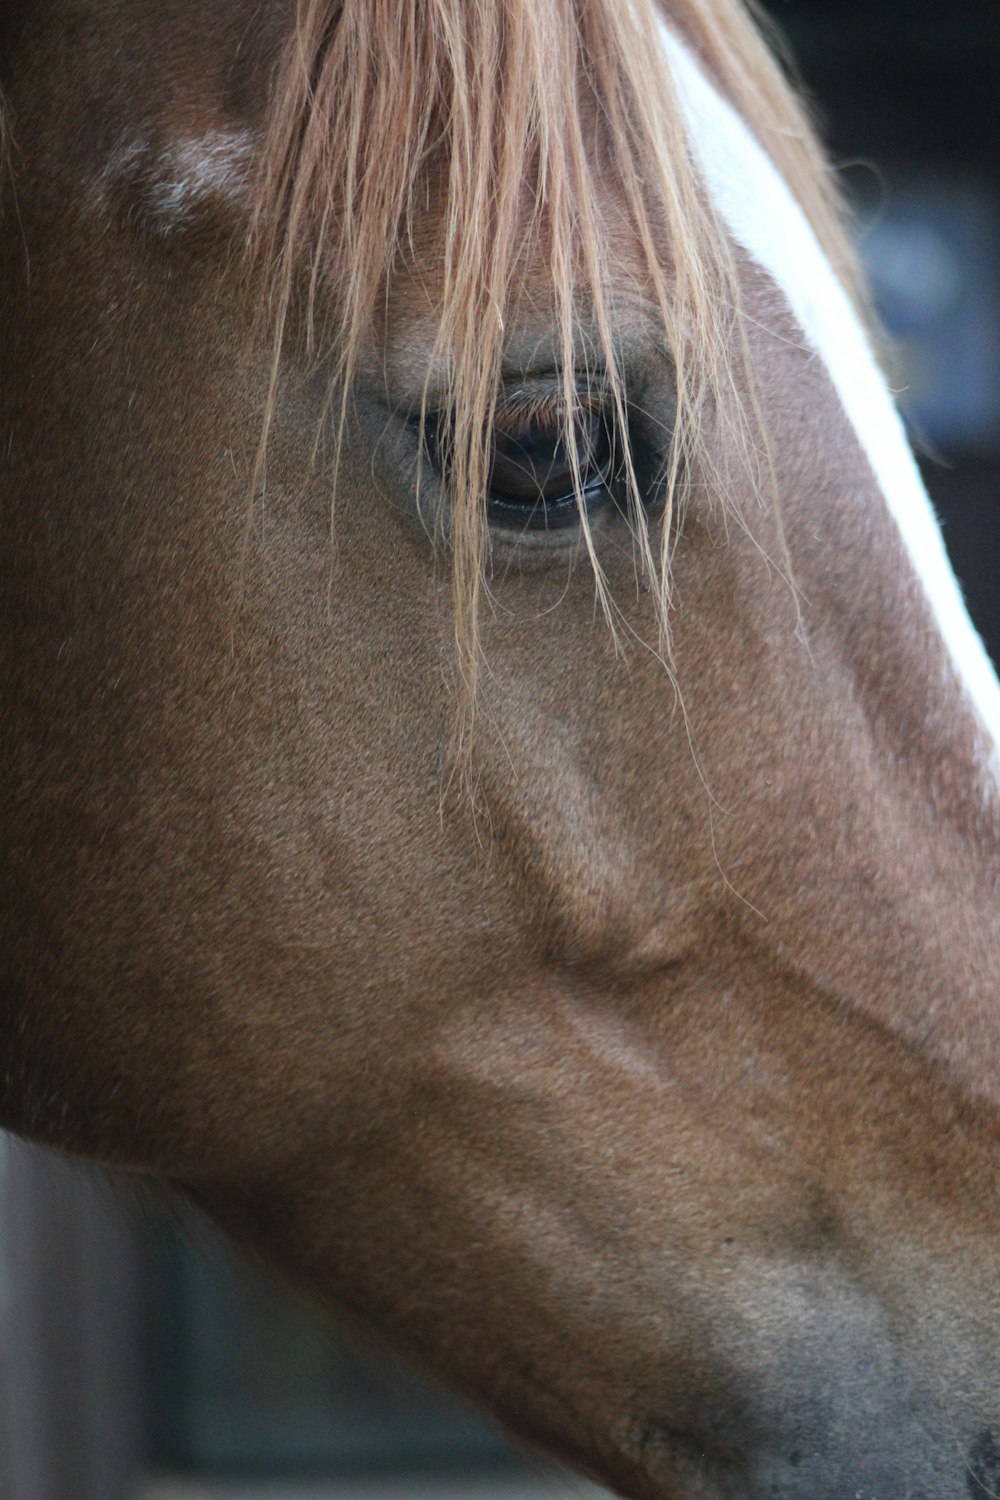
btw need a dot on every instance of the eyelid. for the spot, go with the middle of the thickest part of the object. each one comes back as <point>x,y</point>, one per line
<point>549,407</point>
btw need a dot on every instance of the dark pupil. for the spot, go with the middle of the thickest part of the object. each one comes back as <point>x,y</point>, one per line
<point>531,462</point>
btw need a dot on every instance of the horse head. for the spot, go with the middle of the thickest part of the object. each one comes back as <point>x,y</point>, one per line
<point>502,800</point>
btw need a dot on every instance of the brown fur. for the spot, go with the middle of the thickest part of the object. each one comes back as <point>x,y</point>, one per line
<point>653,1103</point>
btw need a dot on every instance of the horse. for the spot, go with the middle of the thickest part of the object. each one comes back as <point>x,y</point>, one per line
<point>501,801</point>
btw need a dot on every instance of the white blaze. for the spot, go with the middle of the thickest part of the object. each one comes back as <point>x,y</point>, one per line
<point>765,219</point>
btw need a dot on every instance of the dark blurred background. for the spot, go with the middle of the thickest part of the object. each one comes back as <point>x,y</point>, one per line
<point>907,96</point>
<point>132,1346</point>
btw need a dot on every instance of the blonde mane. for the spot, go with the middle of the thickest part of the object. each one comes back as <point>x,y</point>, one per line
<point>482,134</point>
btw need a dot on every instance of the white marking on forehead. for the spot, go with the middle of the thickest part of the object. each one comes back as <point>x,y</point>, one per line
<point>200,170</point>
<point>766,220</point>
<point>175,182</point>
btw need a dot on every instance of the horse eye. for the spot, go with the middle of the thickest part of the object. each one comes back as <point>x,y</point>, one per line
<point>531,483</point>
